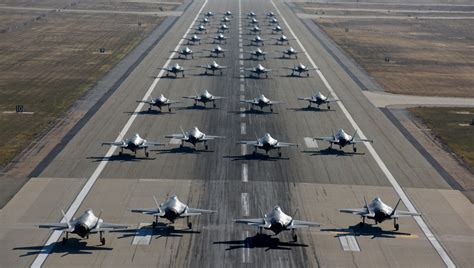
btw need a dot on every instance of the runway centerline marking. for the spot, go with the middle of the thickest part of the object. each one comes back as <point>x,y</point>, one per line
<point>245,173</point>
<point>243,129</point>
<point>242,112</point>
<point>310,142</point>
<point>244,199</point>
<point>349,243</point>
<point>142,235</point>
<point>242,87</point>
<point>243,149</point>
<point>48,246</point>
<point>406,201</point>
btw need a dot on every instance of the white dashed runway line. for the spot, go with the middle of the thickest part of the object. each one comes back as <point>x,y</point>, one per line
<point>349,243</point>
<point>245,173</point>
<point>143,234</point>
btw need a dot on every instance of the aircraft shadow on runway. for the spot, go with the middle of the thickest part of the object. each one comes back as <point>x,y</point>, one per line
<point>254,111</point>
<point>120,158</point>
<point>329,151</point>
<point>254,59</point>
<point>153,112</point>
<point>161,230</point>
<point>366,230</point>
<point>256,156</point>
<point>72,246</point>
<point>310,109</point>
<point>182,150</point>
<point>198,107</point>
<point>260,241</point>
<point>255,77</point>
<point>295,76</point>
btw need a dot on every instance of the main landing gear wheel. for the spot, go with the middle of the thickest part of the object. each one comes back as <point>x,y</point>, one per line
<point>146,154</point>
<point>169,109</point>
<point>329,107</point>
<point>214,105</point>
<point>279,154</point>
<point>295,238</point>
<point>397,227</point>
<point>102,241</point>
<point>355,150</point>
<point>206,147</point>
<point>190,225</point>
<point>307,74</point>
<point>64,240</point>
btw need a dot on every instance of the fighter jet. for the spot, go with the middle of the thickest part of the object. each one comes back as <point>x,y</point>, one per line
<point>175,69</point>
<point>277,221</point>
<point>160,102</point>
<point>257,53</point>
<point>228,13</point>
<point>319,99</point>
<point>214,66</point>
<point>342,139</point>
<point>267,143</point>
<point>216,51</point>
<point>172,209</point>
<point>193,39</point>
<point>201,28</point>
<point>379,212</point>
<point>283,39</point>
<point>251,15</point>
<point>204,97</point>
<point>134,144</point>
<point>261,101</point>
<point>255,29</point>
<point>277,29</point>
<point>204,20</point>
<point>272,21</point>
<point>225,19</point>
<point>253,21</point>
<point>193,136</point>
<point>222,28</point>
<point>259,70</point>
<point>83,226</point>
<point>257,40</point>
<point>185,52</point>
<point>290,51</point>
<point>209,14</point>
<point>270,15</point>
<point>219,38</point>
<point>299,68</point>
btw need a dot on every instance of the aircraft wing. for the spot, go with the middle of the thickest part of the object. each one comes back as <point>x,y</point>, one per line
<point>402,213</point>
<point>104,226</point>
<point>223,67</point>
<point>254,222</point>
<point>296,224</point>
<point>209,137</point>
<point>332,100</point>
<point>355,211</point>
<point>248,101</point>
<point>146,101</point>
<point>218,97</point>
<point>148,211</point>
<point>204,66</point>
<point>62,226</point>
<point>361,141</point>
<point>176,136</point>
<point>305,99</point>
<point>173,102</point>
<point>253,143</point>
<point>192,97</point>
<point>330,139</point>
<point>276,102</point>
<point>151,144</point>
<point>286,144</point>
<point>119,143</point>
<point>196,212</point>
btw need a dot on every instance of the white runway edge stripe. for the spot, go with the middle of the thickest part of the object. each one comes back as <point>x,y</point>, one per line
<point>424,227</point>
<point>48,246</point>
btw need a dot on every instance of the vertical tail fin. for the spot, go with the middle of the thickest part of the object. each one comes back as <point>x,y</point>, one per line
<point>395,208</point>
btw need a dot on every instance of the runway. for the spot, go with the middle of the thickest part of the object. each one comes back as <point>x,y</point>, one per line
<point>229,179</point>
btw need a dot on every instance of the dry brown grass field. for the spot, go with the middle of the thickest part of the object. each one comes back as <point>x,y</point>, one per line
<point>49,63</point>
<point>427,57</point>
